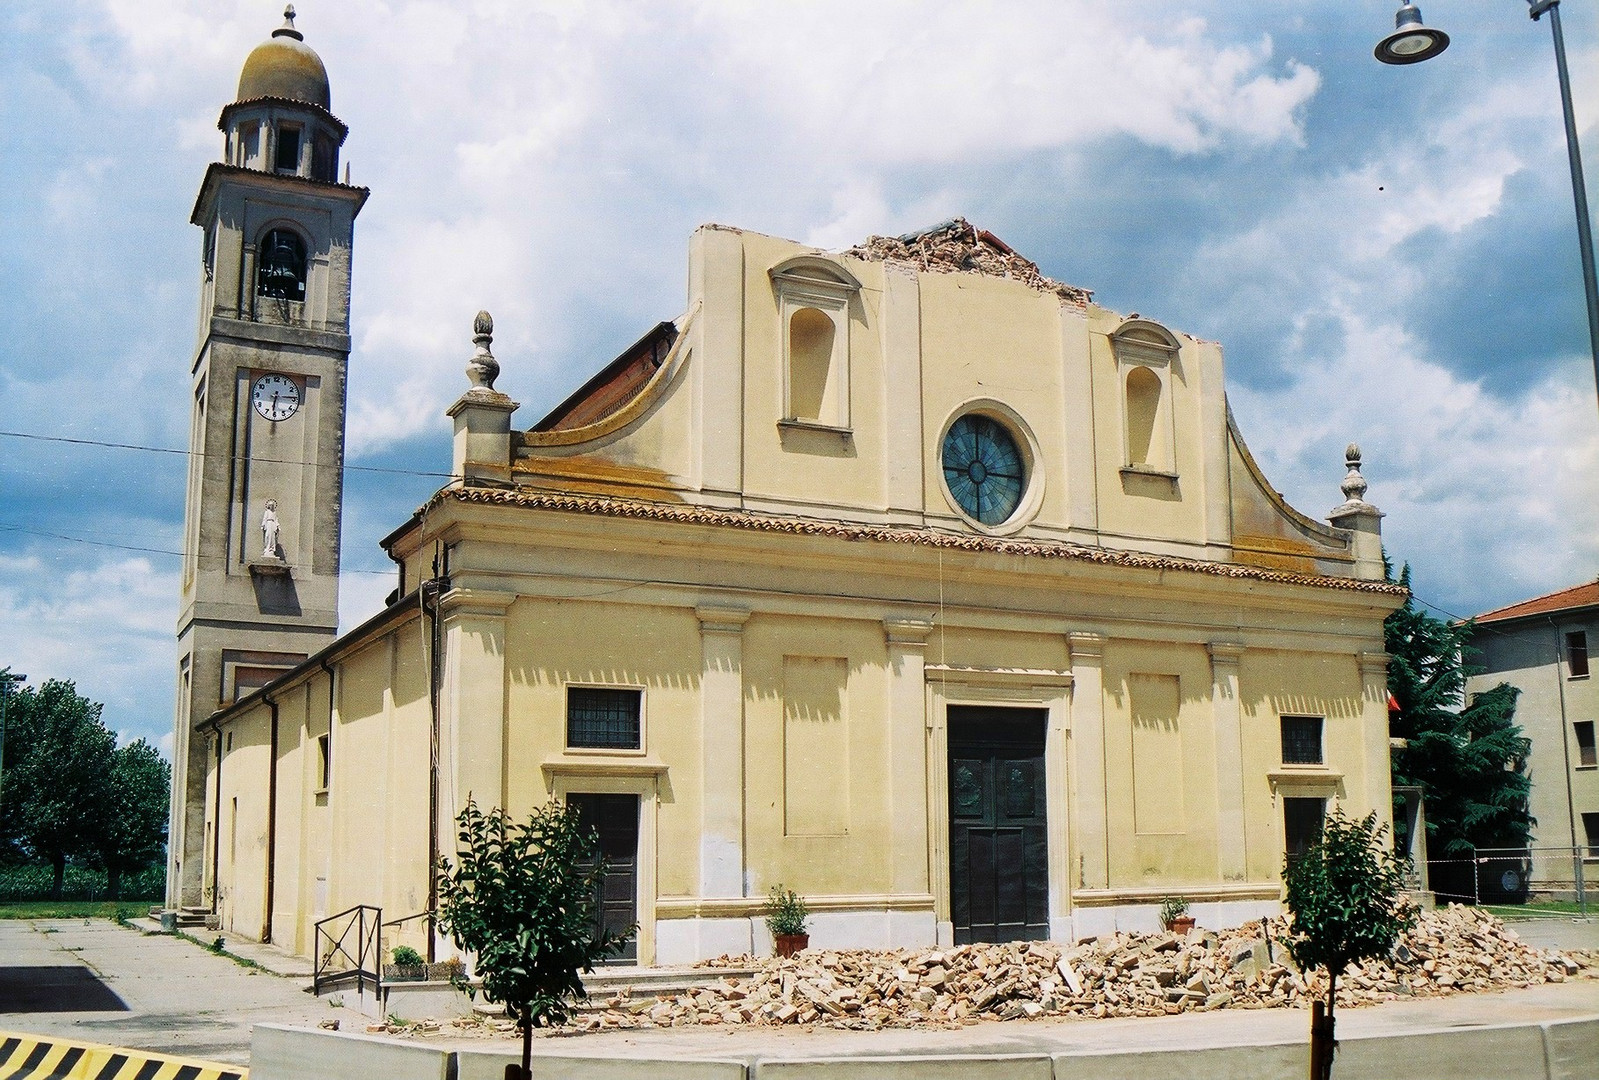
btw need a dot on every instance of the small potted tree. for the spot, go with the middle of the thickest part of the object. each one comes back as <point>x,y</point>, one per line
<point>1174,914</point>
<point>785,918</point>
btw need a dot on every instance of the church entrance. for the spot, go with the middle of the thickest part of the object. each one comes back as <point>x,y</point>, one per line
<point>615,818</point>
<point>999,863</point>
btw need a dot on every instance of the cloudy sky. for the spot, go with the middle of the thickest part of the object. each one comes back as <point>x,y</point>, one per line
<point>1386,254</point>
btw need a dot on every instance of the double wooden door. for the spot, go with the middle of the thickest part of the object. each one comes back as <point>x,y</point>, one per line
<point>998,842</point>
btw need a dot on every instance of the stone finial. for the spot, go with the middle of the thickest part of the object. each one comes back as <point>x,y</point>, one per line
<point>1354,484</point>
<point>483,368</point>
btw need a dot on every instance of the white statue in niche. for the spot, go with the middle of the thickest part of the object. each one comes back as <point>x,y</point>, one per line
<point>271,531</point>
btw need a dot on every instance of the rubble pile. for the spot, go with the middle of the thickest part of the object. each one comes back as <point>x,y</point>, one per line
<point>958,246</point>
<point>1124,974</point>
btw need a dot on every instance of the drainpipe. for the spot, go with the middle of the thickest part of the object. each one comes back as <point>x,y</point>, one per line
<point>272,825</point>
<point>332,750</point>
<point>1565,750</point>
<point>216,825</point>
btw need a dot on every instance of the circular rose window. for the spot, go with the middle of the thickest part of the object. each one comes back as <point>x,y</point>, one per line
<point>983,468</point>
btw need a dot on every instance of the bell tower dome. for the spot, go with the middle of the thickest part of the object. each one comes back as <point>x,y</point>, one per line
<point>260,581</point>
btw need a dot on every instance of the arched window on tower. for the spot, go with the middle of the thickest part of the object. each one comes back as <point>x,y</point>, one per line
<point>280,266</point>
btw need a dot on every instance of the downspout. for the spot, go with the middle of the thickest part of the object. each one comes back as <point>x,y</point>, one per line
<point>332,750</point>
<point>272,825</point>
<point>435,586</point>
<point>1565,750</point>
<point>216,826</point>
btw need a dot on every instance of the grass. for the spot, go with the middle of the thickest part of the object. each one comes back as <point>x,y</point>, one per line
<point>73,909</point>
<point>1539,908</point>
<point>218,945</point>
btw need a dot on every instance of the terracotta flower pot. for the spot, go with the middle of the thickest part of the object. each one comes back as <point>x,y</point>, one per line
<point>789,944</point>
<point>1181,924</point>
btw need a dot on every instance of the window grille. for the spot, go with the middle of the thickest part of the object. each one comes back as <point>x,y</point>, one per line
<point>1302,740</point>
<point>602,719</point>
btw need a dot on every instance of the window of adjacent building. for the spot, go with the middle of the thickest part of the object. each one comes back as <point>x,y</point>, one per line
<point>1590,825</point>
<point>1302,820</point>
<point>288,155</point>
<point>1587,756</point>
<point>1576,653</point>
<point>280,266</point>
<point>1302,740</point>
<point>601,718</point>
<point>324,755</point>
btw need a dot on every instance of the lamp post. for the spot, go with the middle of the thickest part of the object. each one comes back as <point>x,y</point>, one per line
<point>1411,43</point>
<point>7,678</point>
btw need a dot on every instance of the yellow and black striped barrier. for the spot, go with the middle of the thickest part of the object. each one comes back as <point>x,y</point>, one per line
<point>43,1057</point>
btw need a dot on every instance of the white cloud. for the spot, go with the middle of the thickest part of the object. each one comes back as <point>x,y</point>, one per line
<point>107,625</point>
<point>1485,493</point>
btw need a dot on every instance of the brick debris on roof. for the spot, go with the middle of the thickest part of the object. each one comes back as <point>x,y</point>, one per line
<point>1578,596</point>
<point>957,246</point>
<point>862,532</point>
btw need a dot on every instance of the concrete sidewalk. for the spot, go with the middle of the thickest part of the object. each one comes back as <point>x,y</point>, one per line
<point>165,994</point>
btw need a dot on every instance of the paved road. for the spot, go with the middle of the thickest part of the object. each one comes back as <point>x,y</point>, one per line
<point>100,982</point>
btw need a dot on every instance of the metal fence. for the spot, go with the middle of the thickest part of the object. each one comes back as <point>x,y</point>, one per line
<point>1530,882</point>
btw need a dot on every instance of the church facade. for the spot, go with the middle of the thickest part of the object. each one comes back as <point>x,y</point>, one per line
<point>903,577</point>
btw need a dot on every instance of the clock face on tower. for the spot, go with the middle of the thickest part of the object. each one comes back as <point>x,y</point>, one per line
<point>275,397</point>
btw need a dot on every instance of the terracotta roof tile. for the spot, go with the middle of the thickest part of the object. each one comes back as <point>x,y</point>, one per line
<point>858,531</point>
<point>1578,596</point>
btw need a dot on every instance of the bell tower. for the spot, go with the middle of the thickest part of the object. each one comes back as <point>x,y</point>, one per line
<point>260,581</point>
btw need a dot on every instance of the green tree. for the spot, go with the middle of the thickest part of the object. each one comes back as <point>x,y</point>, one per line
<point>57,759</point>
<point>522,898</point>
<point>1469,757</point>
<point>1346,897</point>
<point>131,829</point>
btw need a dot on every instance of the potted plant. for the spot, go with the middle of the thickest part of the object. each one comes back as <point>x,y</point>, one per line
<point>407,965</point>
<point>785,918</point>
<point>1174,914</point>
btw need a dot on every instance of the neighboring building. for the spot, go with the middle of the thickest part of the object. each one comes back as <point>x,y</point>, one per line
<point>1541,647</point>
<point>904,577</point>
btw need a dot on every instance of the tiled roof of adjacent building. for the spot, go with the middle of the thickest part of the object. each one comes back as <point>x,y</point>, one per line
<point>894,534</point>
<point>1578,596</point>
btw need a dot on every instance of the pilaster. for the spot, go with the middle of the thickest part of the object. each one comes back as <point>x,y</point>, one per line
<point>907,752</point>
<point>1227,720</point>
<point>472,703</point>
<point>1374,734</point>
<point>1088,731</point>
<point>722,750</point>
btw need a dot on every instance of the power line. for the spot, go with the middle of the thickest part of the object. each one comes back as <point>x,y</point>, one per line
<point>7,527</point>
<point>190,453</point>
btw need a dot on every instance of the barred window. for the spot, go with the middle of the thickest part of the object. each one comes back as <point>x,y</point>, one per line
<point>1302,740</point>
<point>603,719</point>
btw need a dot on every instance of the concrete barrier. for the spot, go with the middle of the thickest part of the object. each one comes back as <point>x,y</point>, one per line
<point>489,1065</point>
<point>1270,1062</point>
<point>909,1067</point>
<point>286,1053</point>
<point>1480,1053</point>
<point>1571,1047</point>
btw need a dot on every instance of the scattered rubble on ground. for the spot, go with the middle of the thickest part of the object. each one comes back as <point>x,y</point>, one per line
<point>956,246</point>
<point>1454,950</point>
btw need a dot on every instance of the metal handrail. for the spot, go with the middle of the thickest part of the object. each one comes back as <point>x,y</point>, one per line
<point>368,949</point>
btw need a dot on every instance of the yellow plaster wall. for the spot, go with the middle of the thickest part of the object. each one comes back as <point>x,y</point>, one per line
<point>551,644</point>
<point>855,859</point>
<point>1163,851</point>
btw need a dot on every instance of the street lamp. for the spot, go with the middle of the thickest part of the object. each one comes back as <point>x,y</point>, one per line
<point>7,678</point>
<point>1411,43</point>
